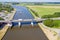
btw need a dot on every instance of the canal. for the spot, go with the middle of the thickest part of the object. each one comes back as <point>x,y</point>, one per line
<point>22,13</point>
<point>27,31</point>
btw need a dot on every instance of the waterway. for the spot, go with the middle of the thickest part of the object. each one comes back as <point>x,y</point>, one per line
<point>22,13</point>
<point>26,32</point>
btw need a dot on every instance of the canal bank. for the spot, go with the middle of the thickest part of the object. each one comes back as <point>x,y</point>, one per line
<point>50,34</point>
<point>5,28</point>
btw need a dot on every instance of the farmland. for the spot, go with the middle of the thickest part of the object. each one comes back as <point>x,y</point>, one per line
<point>47,10</point>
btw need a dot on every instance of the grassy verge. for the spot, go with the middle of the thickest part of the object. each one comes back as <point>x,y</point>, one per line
<point>32,13</point>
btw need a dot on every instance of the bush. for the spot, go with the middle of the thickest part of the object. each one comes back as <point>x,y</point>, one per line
<point>1,18</point>
<point>57,14</point>
<point>6,7</point>
<point>0,9</point>
<point>47,16</point>
<point>51,23</point>
<point>48,22</point>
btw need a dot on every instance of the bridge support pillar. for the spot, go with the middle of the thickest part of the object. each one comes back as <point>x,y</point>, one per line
<point>32,23</point>
<point>19,24</point>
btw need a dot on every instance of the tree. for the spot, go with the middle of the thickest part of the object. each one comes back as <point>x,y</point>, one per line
<point>57,14</point>
<point>0,4</point>
<point>1,18</point>
<point>47,16</point>
<point>6,7</point>
<point>48,23</point>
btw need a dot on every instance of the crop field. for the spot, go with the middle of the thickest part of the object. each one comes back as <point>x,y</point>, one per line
<point>45,10</point>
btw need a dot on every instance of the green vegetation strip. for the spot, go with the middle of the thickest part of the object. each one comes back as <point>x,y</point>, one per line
<point>56,14</point>
<point>6,7</point>
<point>52,23</point>
<point>32,13</point>
<point>1,18</point>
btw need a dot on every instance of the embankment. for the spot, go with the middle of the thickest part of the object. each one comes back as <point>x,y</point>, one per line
<point>5,28</point>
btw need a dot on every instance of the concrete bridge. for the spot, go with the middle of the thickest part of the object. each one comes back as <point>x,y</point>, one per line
<point>38,20</point>
<point>9,22</point>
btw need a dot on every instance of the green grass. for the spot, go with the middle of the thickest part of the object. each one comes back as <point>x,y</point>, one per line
<point>57,23</point>
<point>1,18</point>
<point>52,24</point>
<point>45,11</point>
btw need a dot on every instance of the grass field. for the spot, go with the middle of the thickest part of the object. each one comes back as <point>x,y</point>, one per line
<point>57,24</point>
<point>45,10</point>
<point>53,24</point>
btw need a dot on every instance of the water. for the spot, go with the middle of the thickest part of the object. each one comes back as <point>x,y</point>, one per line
<point>25,33</point>
<point>22,13</point>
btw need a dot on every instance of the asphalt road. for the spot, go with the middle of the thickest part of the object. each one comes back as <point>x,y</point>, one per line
<point>26,32</point>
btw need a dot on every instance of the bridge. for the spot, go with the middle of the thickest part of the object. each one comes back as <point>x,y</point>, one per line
<point>38,20</point>
<point>9,22</point>
<point>24,20</point>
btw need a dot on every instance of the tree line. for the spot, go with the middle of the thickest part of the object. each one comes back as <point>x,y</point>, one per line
<point>56,14</point>
<point>6,7</point>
